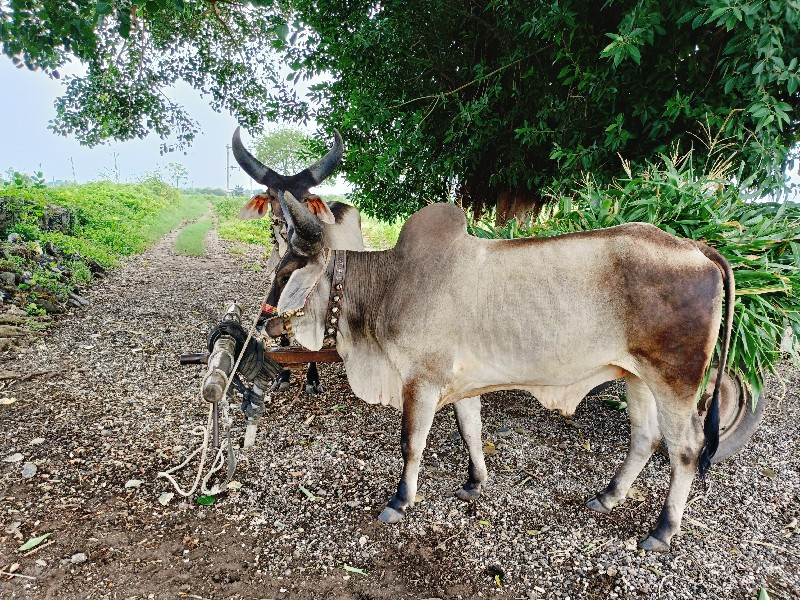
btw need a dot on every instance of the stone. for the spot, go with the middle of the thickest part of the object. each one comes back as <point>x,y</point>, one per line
<point>29,470</point>
<point>78,558</point>
<point>50,306</point>
<point>7,278</point>
<point>56,218</point>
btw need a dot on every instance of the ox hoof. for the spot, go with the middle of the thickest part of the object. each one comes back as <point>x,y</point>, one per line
<point>468,494</point>
<point>280,386</point>
<point>598,506</point>
<point>314,388</point>
<point>653,545</point>
<point>390,515</point>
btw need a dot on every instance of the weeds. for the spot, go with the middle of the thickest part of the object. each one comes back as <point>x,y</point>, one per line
<point>86,228</point>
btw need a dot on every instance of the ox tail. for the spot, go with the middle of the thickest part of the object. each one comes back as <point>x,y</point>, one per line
<point>711,425</point>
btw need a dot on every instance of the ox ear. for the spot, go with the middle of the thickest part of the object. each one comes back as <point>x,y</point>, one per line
<point>300,285</point>
<point>256,208</point>
<point>320,208</point>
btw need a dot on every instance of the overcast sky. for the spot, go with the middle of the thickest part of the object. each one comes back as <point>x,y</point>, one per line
<point>27,145</point>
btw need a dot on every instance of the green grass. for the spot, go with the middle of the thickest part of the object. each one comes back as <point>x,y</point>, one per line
<point>188,209</point>
<point>380,234</point>
<point>108,221</point>
<point>229,226</point>
<point>191,239</point>
<point>377,234</point>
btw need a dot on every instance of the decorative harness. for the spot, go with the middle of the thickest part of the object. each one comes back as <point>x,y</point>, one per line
<point>334,311</point>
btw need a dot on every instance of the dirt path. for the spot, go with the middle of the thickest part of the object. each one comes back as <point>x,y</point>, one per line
<point>108,404</point>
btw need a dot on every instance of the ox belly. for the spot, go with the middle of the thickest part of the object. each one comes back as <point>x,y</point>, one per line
<point>561,389</point>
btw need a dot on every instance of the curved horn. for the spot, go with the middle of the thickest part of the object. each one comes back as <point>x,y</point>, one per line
<point>326,165</point>
<point>305,230</point>
<point>251,165</point>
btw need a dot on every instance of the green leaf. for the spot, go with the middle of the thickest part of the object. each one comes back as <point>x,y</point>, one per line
<point>281,31</point>
<point>355,570</point>
<point>33,542</point>
<point>307,493</point>
<point>206,500</point>
<point>103,8</point>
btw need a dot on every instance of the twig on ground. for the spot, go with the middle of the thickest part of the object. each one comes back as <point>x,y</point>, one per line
<point>17,575</point>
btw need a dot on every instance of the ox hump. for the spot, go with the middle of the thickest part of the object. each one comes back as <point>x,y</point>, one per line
<point>440,221</point>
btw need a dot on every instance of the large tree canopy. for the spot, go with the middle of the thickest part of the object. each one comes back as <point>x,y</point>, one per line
<point>493,102</point>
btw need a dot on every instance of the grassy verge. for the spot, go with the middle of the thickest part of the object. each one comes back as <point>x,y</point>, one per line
<point>191,239</point>
<point>377,234</point>
<point>233,229</point>
<point>65,234</point>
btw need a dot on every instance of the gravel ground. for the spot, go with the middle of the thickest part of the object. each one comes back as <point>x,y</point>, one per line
<point>105,404</point>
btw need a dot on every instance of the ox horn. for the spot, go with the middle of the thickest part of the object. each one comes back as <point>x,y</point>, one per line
<point>305,230</point>
<point>321,170</point>
<point>251,165</point>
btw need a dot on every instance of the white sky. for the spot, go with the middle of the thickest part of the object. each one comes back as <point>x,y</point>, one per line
<point>27,145</point>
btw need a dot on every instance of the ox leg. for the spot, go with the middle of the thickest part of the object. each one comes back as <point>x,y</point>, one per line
<point>418,411</point>
<point>468,419</point>
<point>282,381</point>
<point>683,432</point>
<point>313,384</point>
<point>645,437</point>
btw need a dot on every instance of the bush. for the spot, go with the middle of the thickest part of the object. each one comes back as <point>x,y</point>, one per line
<point>761,240</point>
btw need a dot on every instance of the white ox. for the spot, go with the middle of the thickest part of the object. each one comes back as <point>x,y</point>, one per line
<point>341,223</point>
<point>444,317</point>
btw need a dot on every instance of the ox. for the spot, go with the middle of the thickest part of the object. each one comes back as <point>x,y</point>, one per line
<point>444,317</point>
<point>341,223</point>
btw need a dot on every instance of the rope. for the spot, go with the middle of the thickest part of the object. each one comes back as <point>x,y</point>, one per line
<point>224,447</point>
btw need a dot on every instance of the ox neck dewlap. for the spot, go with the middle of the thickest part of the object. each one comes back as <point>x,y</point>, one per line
<point>334,312</point>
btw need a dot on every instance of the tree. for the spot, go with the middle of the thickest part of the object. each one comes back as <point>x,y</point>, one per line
<point>135,51</point>
<point>178,172</point>
<point>283,150</point>
<point>497,103</point>
<point>493,103</point>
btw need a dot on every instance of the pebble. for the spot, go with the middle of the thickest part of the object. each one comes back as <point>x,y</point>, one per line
<point>78,558</point>
<point>16,457</point>
<point>37,441</point>
<point>29,470</point>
